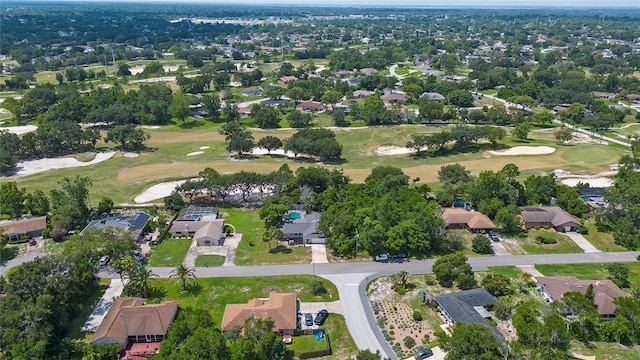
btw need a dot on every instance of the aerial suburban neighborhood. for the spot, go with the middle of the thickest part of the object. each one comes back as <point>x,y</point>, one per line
<point>250,181</point>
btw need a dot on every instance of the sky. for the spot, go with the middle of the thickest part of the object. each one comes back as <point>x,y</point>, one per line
<point>434,3</point>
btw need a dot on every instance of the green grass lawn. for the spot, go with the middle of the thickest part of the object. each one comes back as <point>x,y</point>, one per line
<point>252,250</point>
<point>587,271</point>
<point>602,350</point>
<point>509,271</point>
<point>306,343</point>
<point>9,252</point>
<point>212,294</point>
<point>209,260</point>
<point>564,244</point>
<point>170,252</point>
<point>602,241</point>
<point>342,345</point>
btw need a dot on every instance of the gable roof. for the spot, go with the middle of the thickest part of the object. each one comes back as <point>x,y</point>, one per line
<point>131,316</point>
<point>307,224</point>
<point>604,290</point>
<point>393,97</point>
<point>553,215</point>
<point>280,307</point>
<point>461,307</point>
<point>24,226</point>
<point>472,219</point>
<point>211,230</point>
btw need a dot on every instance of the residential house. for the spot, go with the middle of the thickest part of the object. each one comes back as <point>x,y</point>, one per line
<point>200,223</point>
<point>130,320</point>
<point>433,96</point>
<point>298,226</point>
<point>369,71</point>
<point>31,227</point>
<point>468,307</point>
<point>593,197</point>
<point>134,224</point>
<point>461,218</point>
<point>394,98</point>
<point>359,94</point>
<point>244,112</point>
<point>310,106</point>
<point>603,95</point>
<point>633,97</point>
<point>553,289</point>
<point>252,92</point>
<point>552,216</point>
<point>287,79</point>
<point>353,82</point>
<point>559,108</point>
<point>282,308</point>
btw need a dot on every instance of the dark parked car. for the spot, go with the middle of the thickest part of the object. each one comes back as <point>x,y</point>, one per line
<point>423,354</point>
<point>308,319</point>
<point>322,316</point>
<point>32,242</point>
<point>400,256</point>
<point>638,257</point>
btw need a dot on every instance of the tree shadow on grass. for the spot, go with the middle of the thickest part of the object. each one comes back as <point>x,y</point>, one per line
<point>157,292</point>
<point>193,290</point>
<point>280,249</point>
<point>191,124</point>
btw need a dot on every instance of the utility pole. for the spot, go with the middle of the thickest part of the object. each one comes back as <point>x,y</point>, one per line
<point>115,74</point>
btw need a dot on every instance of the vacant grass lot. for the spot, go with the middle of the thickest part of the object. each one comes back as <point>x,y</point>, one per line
<point>602,350</point>
<point>252,250</point>
<point>588,271</point>
<point>169,253</point>
<point>306,343</point>
<point>212,294</point>
<point>121,178</point>
<point>564,244</point>
<point>602,241</point>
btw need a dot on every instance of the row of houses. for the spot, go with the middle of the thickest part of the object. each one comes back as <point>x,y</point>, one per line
<point>549,216</point>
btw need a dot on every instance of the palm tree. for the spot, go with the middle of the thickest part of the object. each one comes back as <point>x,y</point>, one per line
<point>182,273</point>
<point>140,279</point>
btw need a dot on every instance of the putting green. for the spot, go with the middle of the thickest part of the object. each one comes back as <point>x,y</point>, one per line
<point>591,155</point>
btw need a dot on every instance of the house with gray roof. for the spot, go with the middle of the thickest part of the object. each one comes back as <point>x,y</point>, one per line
<point>200,223</point>
<point>433,96</point>
<point>552,216</point>
<point>134,224</point>
<point>468,307</point>
<point>302,227</point>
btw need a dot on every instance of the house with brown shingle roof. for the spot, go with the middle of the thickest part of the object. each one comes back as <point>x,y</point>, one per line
<point>31,227</point>
<point>287,79</point>
<point>369,71</point>
<point>281,308</point>
<point>393,98</point>
<point>553,289</point>
<point>310,106</point>
<point>552,216</point>
<point>461,218</point>
<point>131,320</point>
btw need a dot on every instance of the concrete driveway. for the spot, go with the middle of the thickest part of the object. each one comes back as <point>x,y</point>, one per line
<point>580,240</point>
<point>319,254</point>
<point>438,354</point>
<point>334,307</point>
<point>228,250</point>
<point>498,248</point>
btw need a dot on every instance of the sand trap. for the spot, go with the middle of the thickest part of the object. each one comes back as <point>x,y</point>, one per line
<point>170,68</point>
<point>592,180</point>
<point>130,155</point>
<point>195,153</point>
<point>31,167</point>
<point>136,69</point>
<point>158,191</point>
<point>19,130</point>
<point>261,151</point>
<point>393,150</point>
<point>149,127</point>
<point>525,150</point>
<point>204,147</point>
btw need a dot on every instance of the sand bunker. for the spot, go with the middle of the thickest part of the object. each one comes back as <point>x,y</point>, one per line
<point>157,191</point>
<point>592,180</point>
<point>152,127</point>
<point>393,150</point>
<point>135,70</point>
<point>261,151</point>
<point>170,68</point>
<point>204,147</point>
<point>525,150</point>
<point>31,167</point>
<point>19,130</point>
<point>195,153</point>
<point>130,155</point>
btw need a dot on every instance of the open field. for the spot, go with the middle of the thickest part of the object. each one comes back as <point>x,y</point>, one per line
<point>121,178</point>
